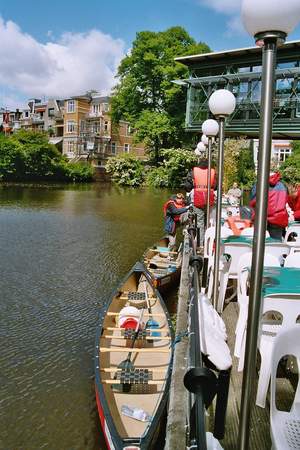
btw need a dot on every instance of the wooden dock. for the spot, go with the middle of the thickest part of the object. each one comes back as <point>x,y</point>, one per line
<point>176,426</point>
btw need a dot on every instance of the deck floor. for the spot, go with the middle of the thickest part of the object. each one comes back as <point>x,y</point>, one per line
<point>260,424</point>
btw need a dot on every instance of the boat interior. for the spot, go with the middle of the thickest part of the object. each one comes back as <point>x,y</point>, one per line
<point>143,383</point>
<point>160,261</point>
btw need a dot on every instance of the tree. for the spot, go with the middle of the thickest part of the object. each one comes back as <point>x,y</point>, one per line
<point>145,85</point>
<point>290,169</point>
<point>233,169</point>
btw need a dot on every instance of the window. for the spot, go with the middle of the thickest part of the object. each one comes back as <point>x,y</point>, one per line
<point>105,107</point>
<point>106,126</point>
<point>126,148</point>
<point>128,130</point>
<point>70,146</point>
<point>50,112</point>
<point>96,127</point>
<point>96,109</point>
<point>113,148</point>
<point>282,153</point>
<point>71,106</point>
<point>70,126</point>
<point>26,113</point>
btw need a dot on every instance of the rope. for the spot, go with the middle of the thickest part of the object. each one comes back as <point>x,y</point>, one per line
<point>179,336</point>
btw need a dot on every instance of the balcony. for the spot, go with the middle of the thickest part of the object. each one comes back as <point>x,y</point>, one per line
<point>93,115</point>
<point>36,118</point>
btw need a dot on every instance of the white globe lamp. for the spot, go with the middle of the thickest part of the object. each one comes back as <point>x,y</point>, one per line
<point>261,16</point>
<point>210,128</point>
<point>222,103</point>
<point>204,139</point>
<point>201,147</point>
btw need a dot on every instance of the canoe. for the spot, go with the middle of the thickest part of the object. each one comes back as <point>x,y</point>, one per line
<point>143,387</point>
<point>163,265</point>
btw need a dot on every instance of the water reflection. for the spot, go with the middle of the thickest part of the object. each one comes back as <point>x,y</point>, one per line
<point>63,249</point>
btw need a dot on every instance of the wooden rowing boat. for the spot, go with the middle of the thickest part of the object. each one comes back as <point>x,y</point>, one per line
<point>146,385</point>
<point>164,265</point>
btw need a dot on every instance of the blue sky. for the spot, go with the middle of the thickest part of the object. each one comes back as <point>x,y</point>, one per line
<point>62,47</point>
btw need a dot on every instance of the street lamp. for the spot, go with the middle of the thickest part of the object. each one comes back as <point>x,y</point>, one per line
<point>210,129</point>
<point>221,103</point>
<point>269,24</point>
<point>204,139</point>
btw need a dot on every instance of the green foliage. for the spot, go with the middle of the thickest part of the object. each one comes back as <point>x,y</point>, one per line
<point>246,169</point>
<point>125,170</point>
<point>173,170</point>
<point>290,169</point>
<point>27,156</point>
<point>146,76</point>
<point>154,128</point>
<point>238,164</point>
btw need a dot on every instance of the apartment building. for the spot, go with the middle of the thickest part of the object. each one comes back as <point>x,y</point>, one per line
<point>80,126</point>
<point>89,133</point>
<point>280,151</point>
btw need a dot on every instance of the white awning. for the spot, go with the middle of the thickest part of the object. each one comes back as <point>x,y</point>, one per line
<point>55,140</point>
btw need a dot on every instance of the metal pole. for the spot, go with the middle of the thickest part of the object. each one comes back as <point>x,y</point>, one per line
<point>218,213</point>
<point>260,225</point>
<point>208,181</point>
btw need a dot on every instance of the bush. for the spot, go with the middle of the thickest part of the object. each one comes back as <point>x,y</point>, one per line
<point>174,168</point>
<point>126,170</point>
<point>27,156</point>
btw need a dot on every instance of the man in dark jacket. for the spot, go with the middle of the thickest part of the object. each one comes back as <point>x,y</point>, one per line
<point>173,209</point>
<point>277,216</point>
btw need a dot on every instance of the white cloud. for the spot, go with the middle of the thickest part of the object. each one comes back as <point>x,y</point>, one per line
<point>73,64</point>
<point>230,8</point>
<point>223,6</point>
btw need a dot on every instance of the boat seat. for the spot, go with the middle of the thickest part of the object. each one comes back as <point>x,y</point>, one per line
<point>136,295</point>
<point>133,376</point>
<point>129,333</point>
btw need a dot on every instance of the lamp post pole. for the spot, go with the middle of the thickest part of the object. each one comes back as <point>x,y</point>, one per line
<point>208,181</point>
<point>218,212</point>
<point>260,225</point>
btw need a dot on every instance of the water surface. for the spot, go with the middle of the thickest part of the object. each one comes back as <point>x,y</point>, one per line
<point>63,249</point>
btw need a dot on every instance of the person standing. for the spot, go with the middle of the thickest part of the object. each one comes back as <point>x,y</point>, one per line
<point>277,216</point>
<point>173,209</point>
<point>234,193</point>
<point>196,184</point>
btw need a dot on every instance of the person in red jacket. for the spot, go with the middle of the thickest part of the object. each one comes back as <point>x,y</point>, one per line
<point>294,201</point>
<point>277,216</point>
<point>173,209</point>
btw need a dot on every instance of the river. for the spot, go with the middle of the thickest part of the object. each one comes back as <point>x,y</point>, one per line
<point>63,249</point>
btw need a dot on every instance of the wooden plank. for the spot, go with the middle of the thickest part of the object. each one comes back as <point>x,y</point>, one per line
<point>114,369</point>
<point>134,384</point>
<point>151,338</point>
<point>136,350</point>
<point>144,315</point>
<point>177,408</point>
<point>119,329</point>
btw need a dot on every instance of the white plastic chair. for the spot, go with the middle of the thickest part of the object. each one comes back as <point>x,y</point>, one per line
<point>209,239</point>
<point>293,258</point>
<point>243,300</point>
<point>288,306</point>
<point>285,426</point>
<point>250,232</point>
<point>295,228</point>
<point>224,266</point>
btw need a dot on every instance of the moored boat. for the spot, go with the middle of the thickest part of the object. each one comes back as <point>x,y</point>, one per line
<point>133,365</point>
<point>164,265</point>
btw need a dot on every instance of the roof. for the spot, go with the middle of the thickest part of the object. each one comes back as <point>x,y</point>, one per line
<point>236,53</point>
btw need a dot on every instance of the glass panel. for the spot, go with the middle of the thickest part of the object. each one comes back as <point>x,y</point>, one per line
<point>284,87</point>
<point>256,69</point>
<point>287,65</point>
<point>242,91</point>
<point>256,91</point>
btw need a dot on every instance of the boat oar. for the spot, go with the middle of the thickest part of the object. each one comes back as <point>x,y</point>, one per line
<point>126,364</point>
<point>151,323</point>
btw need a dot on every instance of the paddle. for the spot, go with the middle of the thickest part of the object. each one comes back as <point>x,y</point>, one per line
<point>126,364</point>
<point>151,323</point>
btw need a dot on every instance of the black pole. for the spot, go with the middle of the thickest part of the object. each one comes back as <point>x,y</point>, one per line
<point>260,225</point>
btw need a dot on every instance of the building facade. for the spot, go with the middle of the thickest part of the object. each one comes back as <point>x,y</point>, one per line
<point>80,126</point>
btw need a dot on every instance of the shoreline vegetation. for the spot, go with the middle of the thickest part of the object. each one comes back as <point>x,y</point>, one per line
<point>27,156</point>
